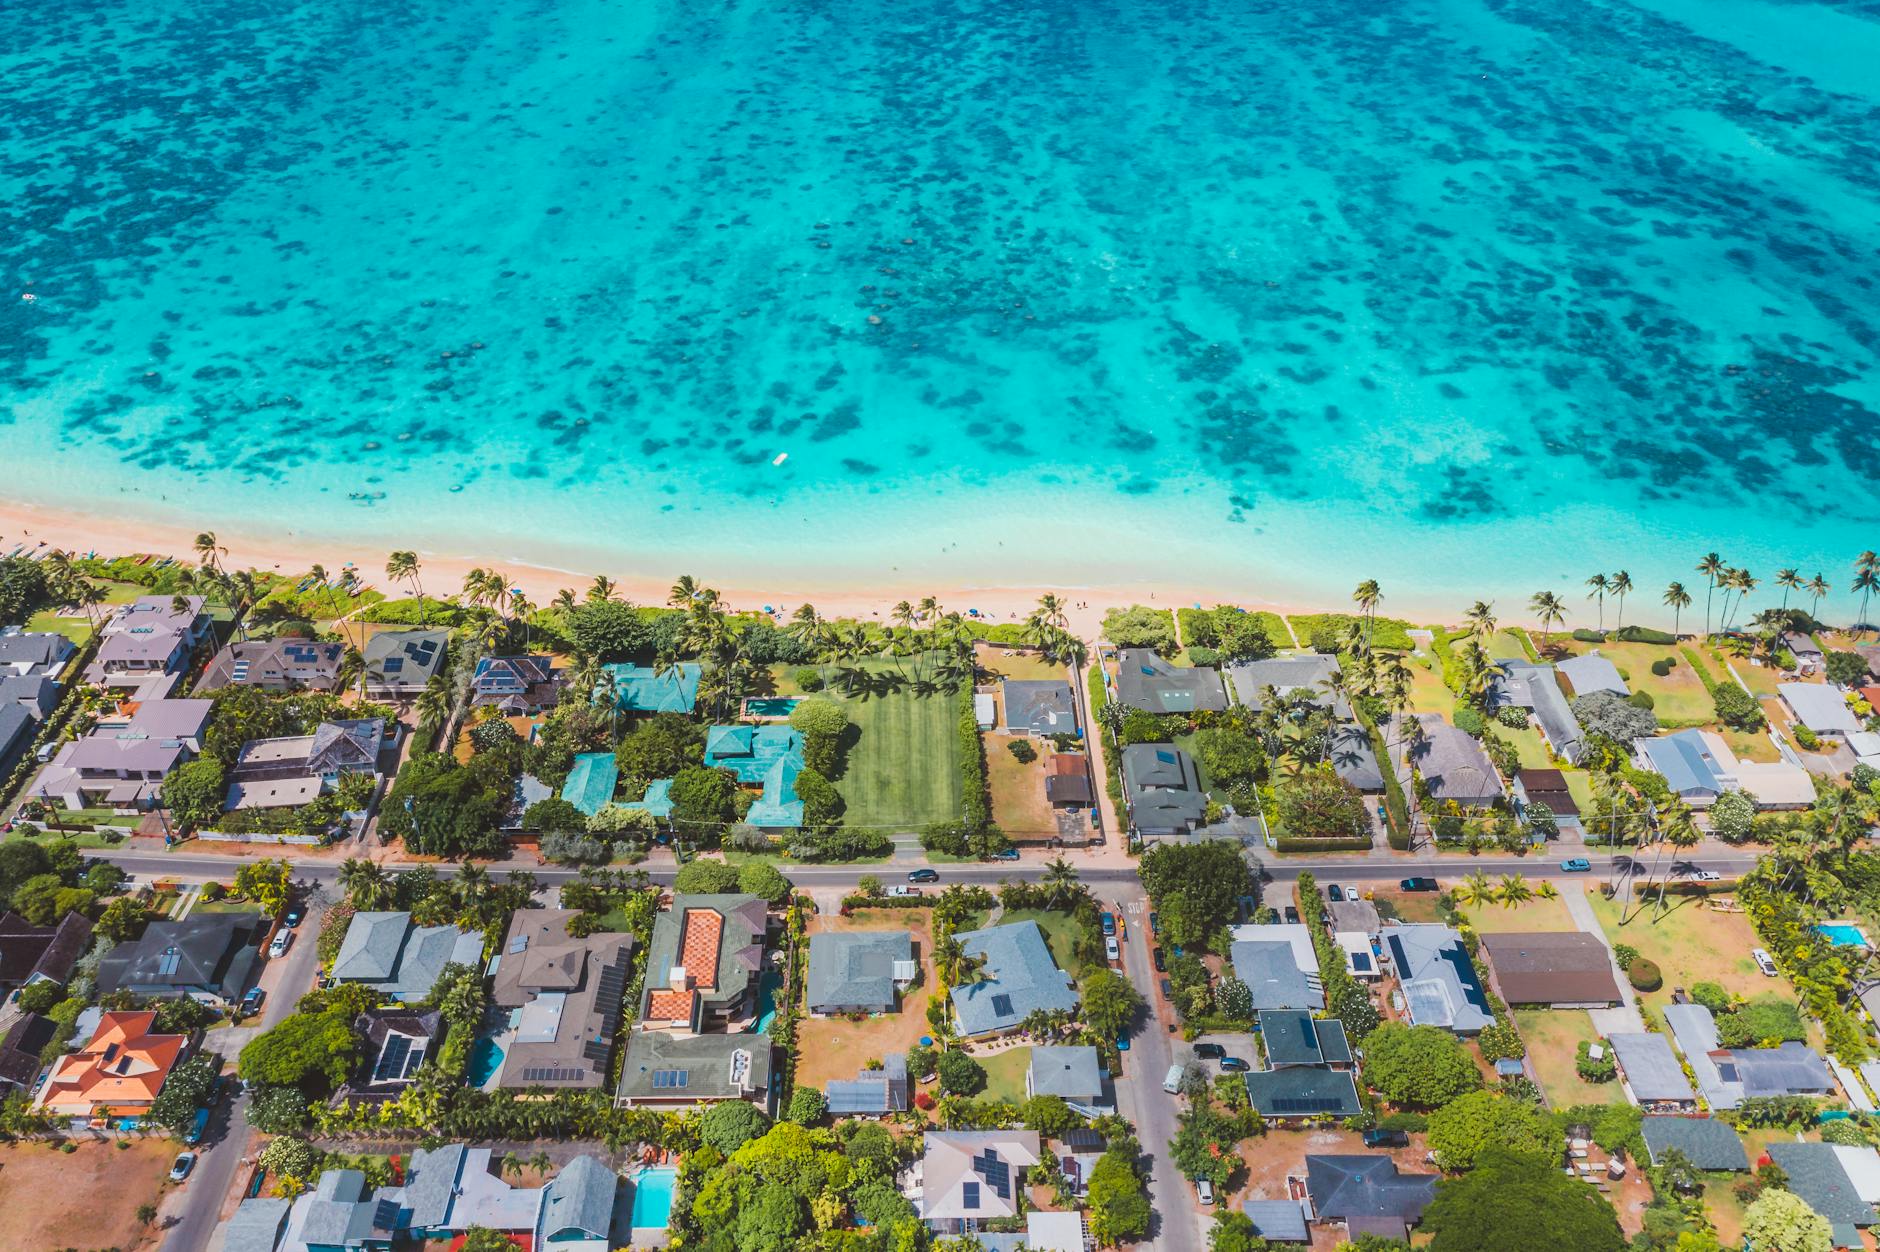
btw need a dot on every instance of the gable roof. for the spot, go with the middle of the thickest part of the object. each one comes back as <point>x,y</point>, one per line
<point>590,784</point>
<point>1164,788</point>
<point>1145,681</point>
<point>1819,707</point>
<point>1454,764</point>
<point>1353,758</point>
<point>1651,1068</point>
<point>1695,1030</point>
<point>975,1174</point>
<point>1067,778</point>
<point>1706,1142</point>
<point>1440,985</point>
<point>281,662</point>
<point>33,651</point>
<point>1818,1177</point>
<point>21,1045</point>
<point>1070,1071</point>
<point>1532,686</point>
<point>1303,1091</point>
<point>50,952</point>
<point>1686,763</point>
<point>1302,677</point>
<point>1018,978</point>
<point>255,1226</point>
<point>1551,967</point>
<point>1593,672</point>
<point>1041,706</point>
<point>579,1201</point>
<point>857,969</point>
<point>1549,787</point>
<point>1277,1220</point>
<point>881,1090</point>
<point>212,952</point>
<point>1278,965</point>
<point>1295,1037</point>
<point>643,689</point>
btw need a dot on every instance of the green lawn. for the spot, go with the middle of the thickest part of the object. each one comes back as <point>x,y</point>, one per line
<point>1059,931</point>
<point>1536,914</point>
<point>77,629</point>
<point>1691,943</point>
<point>1553,1040</point>
<point>1005,1074</point>
<point>227,906</point>
<point>1680,698</point>
<point>903,770</point>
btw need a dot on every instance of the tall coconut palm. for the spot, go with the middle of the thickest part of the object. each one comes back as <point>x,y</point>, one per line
<point>1712,568</point>
<point>601,590</point>
<point>367,886</point>
<point>1621,584</point>
<point>208,551</point>
<point>1053,607</point>
<point>402,566</point>
<point>1677,599</point>
<point>352,668</point>
<point>1549,611</point>
<point>1817,589</point>
<point>1600,585</point>
<point>564,601</point>
<point>1866,581</point>
<point>1060,877</point>
<point>683,592</point>
<point>434,703</point>
<point>1742,582</point>
<point>1789,580</point>
<point>1481,619</point>
<point>1368,595</point>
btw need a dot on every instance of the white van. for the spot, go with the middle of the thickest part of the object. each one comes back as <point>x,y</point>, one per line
<point>1173,1082</point>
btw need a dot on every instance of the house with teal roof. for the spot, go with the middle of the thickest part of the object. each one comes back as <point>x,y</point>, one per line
<point>644,689</point>
<point>657,800</point>
<point>591,782</point>
<point>769,757</point>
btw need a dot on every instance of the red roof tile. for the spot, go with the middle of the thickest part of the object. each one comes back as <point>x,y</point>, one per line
<point>699,937</point>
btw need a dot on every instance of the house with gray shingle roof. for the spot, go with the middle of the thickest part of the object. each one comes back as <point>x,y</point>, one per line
<point>1301,677</point>
<point>1706,1142</point>
<point>1590,673</point>
<point>1145,681</point>
<point>860,971</point>
<point>1818,1177</point>
<point>1073,1074</point>
<point>1438,979</point>
<point>1163,787</point>
<point>34,653</point>
<point>1651,1071</point>
<point>386,952</point>
<point>667,1070</point>
<point>1039,707</point>
<point>1278,965</point>
<point>1523,684</point>
<point>1303,1091</point>
<point>1453,764</point>
<point>402,662</point>
<point>1367,1193</point>
<point>1018,977</point>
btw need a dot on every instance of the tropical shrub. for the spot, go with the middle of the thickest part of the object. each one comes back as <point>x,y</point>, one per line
<point>1645,975</point>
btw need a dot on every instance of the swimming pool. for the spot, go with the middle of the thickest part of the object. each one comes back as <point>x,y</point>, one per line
<point>486,1057</point>
<point>1843,934</point>
<point>771,706</point>
<point>652,1198</point>
<point>767,1000</point>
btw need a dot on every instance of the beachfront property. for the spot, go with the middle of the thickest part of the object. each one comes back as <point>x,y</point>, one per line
<point>284,664</point>
<point>1306,678</point>
<point>768,757</point>
<point>872,1092</point>
<point>1279,966</point>
<point>1699,766</point>
<point>1145,681</point>
<point>1039,707</point>
<point>1562,969</point>
<point>399,663</point>
<point>297,769</point>
<point>1728,1076</point>
<point>33,653</point>
<point>117,1074</point>
<point>1820,707</point>
<point>1531,787</point>
<point>1436,977</point>
<point>703,963</point>
<point>563,997</point>
<point>647,689</point>
<point>122,763</point>
<point>591,781</point>
<point>1592,672</point>
<point>1366,1193</point>
<point>206,956</point>
<point>1163,790</point>
<point>1452,763</point>
<point>1809,658</point>
<point>1650,1072</point>
<point>1531,685</point>
<point>1073,1073</point>
<point>515,685</point>
<point>1018,978</point>
<point>972,1176</point>
<point>860,971</point>
<point>666,1070</point>
<point>399,960</point>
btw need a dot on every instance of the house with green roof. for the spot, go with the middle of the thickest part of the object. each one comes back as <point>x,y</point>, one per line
<point>650,689</point>
<point>769,757</point>
<point>657,800</point>
<point>591,782</point>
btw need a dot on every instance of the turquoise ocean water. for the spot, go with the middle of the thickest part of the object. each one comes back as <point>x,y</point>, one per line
<point>1469,295</point>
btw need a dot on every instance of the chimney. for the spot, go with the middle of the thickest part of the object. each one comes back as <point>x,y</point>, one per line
<point>679,980</point>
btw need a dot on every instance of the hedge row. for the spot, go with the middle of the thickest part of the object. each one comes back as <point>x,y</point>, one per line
<point>975,801</point>
<point>1287,843</point>
<point>1703,671</point>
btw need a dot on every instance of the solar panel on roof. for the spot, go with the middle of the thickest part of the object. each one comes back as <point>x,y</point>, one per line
<point>1002,1005</point>
<point>413,1061</point>
<point>392,1059</point>
<point>969,1195</point>
<point>1167,758</point>
<point>997,1173</point>
<point>1306,1104</point>
<point>394,664</point>
<point>671,1078</point>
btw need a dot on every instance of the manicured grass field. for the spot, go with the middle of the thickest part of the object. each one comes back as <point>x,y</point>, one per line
<point>903,771</point>
<point>1691,943</point>
<point>1019,664</point>
<point>1679,698</point>
<point>1495,919</point>
<point>1553,1040</point>
<point>1005,1074</point>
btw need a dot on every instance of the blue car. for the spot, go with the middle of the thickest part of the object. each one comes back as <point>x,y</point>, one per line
<point>1578,865</point>
<point>1122,1043</point>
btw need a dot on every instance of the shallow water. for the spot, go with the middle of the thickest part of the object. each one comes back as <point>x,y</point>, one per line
<point>1466,293</point>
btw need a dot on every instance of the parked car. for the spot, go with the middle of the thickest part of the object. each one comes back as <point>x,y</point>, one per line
<point>1233,1065</point>
<point>1168,989</point>
<point>1576,865</point>
<point>923,875</point>
<point>283,940</point>
<point>199,1126</point>
<point>1010,854</point>
<point>1706,875</point>
<point>292,919</point>
<point>1292,913</point>
<point>1418,884</point>
<point>1210,1051</point>
<point>185,1161</point>
<point>1386,1139</point>
<point>1204,1190</point>
<point>901,892</point>
<point>1161,961</point>
<point>1335,893</point>
<point>1172,1081</point>
<point>1109,923</point>
<point>1764,962</point>
<point>251,1003</point>
<point>1352,893</point>
<point>1122,1043</point>
<point>1110,951</point>
<point>1155,923</point>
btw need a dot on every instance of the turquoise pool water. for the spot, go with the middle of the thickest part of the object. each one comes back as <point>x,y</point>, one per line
<point>767,1000</point>
<point>771,706</point>
<point>652,1197</point>
<point>486,1057</point>
<point>1842,934</point>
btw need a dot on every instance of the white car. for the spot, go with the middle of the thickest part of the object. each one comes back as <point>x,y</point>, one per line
<point>1110,949</point>
<point>282,942</point>
<point>1351,891</point>
<point>901,893</point>
<point>1764,962</point>
<point>1706,875</point>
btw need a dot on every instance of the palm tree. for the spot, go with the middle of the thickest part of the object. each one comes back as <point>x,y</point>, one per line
<point>1367,595</point>
<point>1052,607</point>
<point>1621,583</point>
<point>434,703</point>
<point>1742,582</point>
<point>683,592</point>
<point>208,551</point>
<point>366,884</point>
<point>1545,890</point>
<point>1788,580</point>
<point>1711,567</point>
<point>1514,890</point>
<point>1677,599</point>
<point>1817,588</point>
<point>1866,581</point>
<point>1549,610</point>
<point>1481,619</point>
<point>1061,877</point>
<point>402,566</point>
<point>1600,586</point>
<point>564,601</point>
<point>352,665</point>
<point>601,590</point>
<point>1476,889</point>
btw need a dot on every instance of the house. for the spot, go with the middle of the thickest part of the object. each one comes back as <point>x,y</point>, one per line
<point>1353,759</point>
<point>206,956</point>
<point>1367,1193</point>
<point>1548,787</point>
<point>1303,1091</point>
<point>861,971</point>
<point>664,1069</point>
<point>1452,762</point>
<point>1295,1037</point>
<point>974,1176</point>
<point>1078,1151</point>
<point>769,757</point>
<point>152,635</point>
<point>33,653</point>
<point>21,1045</point>
<point>1809,658</point>
<point>515,684</point>
<point>1532,686</point>
<point>1018,978</point>
<point>1865,745</point>
<point>401,663</point>
<point>180,615</point>
<point>1557,968</point>
<point>116,1075</point>
<point>1815,1173</point>
<point>122,763</point>
<point>1067,780</point>
<point>1044,1232</point>
<point>1145,681</point>
<point>668,689</point>
<point>397,1041</point>
<point>1041,708</point>
<point>702,964</point>
<point>1727,1076</point>
<point>1360,957</point>
<point>1279,966</point>
<point>1863,1170</point>
<point>35,693</point>
<point>399,960</point>
<point>873,1092</point>
<point>1706,1142</point>
<point>1164,790</point>
<point>564,999</point>
<point>1278,1221</point>
<point>1073,1074</point>
<point>297,769</point>
<point>590,783</point>
<point>1436,977</point>
<point>1590,673</point>
<point>1305,678</point>
<point>284,664</point>
<point>1359,916</point>
<point>30,954</point>
<point>1653,1077</point>
<point>657,800</point>
<point>256,1226</point>
<point>1820,707</point>
<point>19,727</point>
<point>1699,766</point>
<point>173,721</point>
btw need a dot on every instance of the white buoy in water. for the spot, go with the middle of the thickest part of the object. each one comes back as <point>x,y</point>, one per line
<point>780,458</point>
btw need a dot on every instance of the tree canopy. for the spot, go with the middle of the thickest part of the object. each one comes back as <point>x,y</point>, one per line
<point>1781,1221</point>
<point>1196,887</point>
<point>1510,1200</point>
<point>1421,1065</point>
<point>730,1124</point>
<point>1463,1129</point>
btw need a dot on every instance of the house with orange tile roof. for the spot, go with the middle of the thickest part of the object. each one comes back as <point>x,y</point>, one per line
<point>703,962</point>
<point>117,1074</point>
